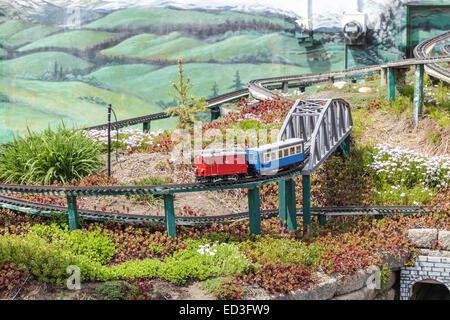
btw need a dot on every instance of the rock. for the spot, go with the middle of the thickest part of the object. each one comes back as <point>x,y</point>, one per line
<point>322,291</point>
<point>435,253</point>
<point>395,262</point>
<point>444,239</point>
<point>353,282</point>
<point>362,294</point>
<point>389,295</point>
<point>339,84</point>
<point>423,238</point>
<point>364,90</point>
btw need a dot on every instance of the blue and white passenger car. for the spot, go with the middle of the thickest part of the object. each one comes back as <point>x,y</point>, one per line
<point>270,158</point>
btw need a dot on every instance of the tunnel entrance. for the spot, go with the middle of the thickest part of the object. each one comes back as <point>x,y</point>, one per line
<point>429,290</point>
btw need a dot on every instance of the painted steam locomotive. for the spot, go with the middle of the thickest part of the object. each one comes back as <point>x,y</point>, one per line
<point>235,164</point>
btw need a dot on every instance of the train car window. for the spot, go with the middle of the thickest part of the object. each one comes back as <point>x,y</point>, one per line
<point>273,156</point>
<point>292,150</point>
<point>298,149</point>
<point>286,152</point>
<point>280,154</point>
<point>266,157</point>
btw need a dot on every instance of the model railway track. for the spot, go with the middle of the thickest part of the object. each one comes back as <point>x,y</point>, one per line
<point>260,89</point>
<point>214,101</point>
<point>426,48</point>
<point>92,215</point>
<point>446,50</point>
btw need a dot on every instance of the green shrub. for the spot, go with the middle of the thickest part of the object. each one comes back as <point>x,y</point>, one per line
<point>49,261</point>
<point>53,155</point>
<point>150,199</point>
<point>94,245</point>
<point>283,251</point>
<point>116,290</point>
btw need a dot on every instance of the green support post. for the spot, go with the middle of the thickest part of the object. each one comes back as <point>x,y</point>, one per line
<point>291,206</point>
<point>215,113</point>
<point>285,87</point>
<point>254,210</point>
<point>322,219</point>
<point>282,200</point>
<point>146,126</point>
<point>418,93</point>
<point>170,215</point>
<point>306,185</point>
<point>74,222</point>
<point>344,147</point>
<point>391,83</point>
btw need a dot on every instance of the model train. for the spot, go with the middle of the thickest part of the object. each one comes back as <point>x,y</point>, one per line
<point>235,164</point>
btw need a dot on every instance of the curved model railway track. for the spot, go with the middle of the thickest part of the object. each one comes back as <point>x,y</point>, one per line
<point>260,89</point>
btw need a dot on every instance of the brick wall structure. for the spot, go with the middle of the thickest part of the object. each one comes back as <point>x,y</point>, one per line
<point>432,266</point>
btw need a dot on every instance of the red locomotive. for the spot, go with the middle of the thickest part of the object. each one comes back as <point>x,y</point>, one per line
<point>217,165</point>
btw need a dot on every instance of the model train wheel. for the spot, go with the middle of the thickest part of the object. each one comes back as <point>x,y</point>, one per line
<point>233,177</point>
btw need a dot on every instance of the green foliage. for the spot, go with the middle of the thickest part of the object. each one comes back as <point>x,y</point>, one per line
<point>401,104</point>
<point>116,290</point>
<point>48,260</point>
<point>223,287</point>
<point>285,251</point>
<point>202,260</point>
<point>49,257</point>
<point>150,199</point>
<point>60,155</point>
<point>94,245</point>
<point>188,106</point>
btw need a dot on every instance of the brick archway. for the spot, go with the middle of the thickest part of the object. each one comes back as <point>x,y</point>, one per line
<point>425,268</point>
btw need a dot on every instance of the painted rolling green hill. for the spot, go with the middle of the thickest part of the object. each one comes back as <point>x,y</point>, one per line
<point>10,27</point>
<point>273,44</point>
<point>121,75</point>
<point>172,18</point>
<point>31,34</point>
<point>65,100</point>
<point>3,52</point>
<point>79,39</point>
<point>37,64</point>
<point>154,85</point>
<point>152,47</point>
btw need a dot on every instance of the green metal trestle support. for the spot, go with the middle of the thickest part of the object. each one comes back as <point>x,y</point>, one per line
<point>254,210</point>
<point>287,211</point>
<point>418,93</point>
<point>215,113</point>
<point>170,215</point>
<point>74,222</point>
<point>146,126</point>
<point>282,200</point>
<point>344,147</point>
<point>391,84</point>
<point>306,186</point>
<point>291,208</point>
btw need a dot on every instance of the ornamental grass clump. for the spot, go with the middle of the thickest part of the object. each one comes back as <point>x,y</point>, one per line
<point>59,155</point>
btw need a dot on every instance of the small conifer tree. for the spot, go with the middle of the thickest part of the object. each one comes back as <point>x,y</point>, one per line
<point>188,106</point>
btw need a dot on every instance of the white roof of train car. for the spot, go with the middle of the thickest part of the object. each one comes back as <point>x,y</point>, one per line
<point>277,145</point>
<point>221,152</point>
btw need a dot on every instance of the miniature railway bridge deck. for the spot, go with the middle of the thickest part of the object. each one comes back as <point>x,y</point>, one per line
<point>324,125</point>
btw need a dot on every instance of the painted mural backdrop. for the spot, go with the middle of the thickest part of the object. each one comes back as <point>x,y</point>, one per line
<point>66,60</point>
